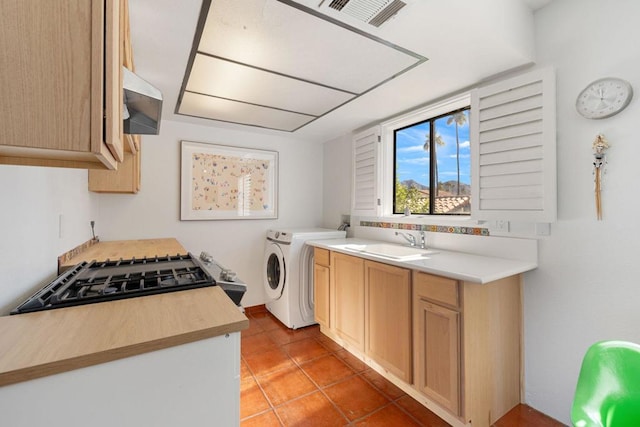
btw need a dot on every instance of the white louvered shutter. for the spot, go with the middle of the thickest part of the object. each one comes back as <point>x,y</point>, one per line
<point>366,173</point>
<point>513,137</point>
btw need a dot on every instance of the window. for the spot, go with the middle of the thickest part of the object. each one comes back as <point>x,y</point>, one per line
<point>432,166</point>
<point>509,136</point>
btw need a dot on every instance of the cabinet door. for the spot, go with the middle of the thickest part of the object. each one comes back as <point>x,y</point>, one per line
<point>437,353</point>
<point>53,57</point>
<point>348,298</point>
<point>321,294</point>
<point>388,317</point>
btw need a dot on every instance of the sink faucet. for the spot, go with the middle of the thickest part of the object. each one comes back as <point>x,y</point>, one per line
<point>423,240</point>
<point>408,237</point>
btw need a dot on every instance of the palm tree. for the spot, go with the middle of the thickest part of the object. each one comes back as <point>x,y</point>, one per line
<point>439,141</point>
<point>459,118</point>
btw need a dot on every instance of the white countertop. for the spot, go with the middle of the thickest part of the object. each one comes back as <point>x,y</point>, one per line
<point>456,265</point>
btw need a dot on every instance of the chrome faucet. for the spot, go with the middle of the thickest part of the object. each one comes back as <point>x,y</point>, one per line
<point>423,240</point>
<point>408,237</point>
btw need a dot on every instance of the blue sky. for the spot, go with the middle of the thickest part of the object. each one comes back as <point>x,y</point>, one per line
<point>413,162</point>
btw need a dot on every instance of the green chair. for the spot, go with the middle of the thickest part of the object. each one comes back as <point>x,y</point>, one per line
<point>608,390</point>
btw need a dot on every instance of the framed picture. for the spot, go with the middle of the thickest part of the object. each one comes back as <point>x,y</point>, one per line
<point>223,182</point>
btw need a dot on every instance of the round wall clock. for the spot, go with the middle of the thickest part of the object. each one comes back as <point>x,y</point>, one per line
<point>604,98</point>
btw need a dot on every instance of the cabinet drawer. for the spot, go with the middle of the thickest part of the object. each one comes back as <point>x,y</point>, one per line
<point>436,288</point>
<point>321,256</point>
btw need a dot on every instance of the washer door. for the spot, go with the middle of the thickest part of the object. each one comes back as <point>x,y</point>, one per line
<point>274,271</point>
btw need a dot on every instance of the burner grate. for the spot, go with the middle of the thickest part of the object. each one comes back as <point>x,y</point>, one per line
<point>117,279</point>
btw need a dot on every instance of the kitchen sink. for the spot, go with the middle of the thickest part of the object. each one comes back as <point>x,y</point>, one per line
<point>389,250</point>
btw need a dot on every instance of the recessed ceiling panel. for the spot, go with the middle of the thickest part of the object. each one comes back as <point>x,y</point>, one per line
<point>272,35</point>
<point>225,110</point>
<point>231,80</point>
<point>279,64</point>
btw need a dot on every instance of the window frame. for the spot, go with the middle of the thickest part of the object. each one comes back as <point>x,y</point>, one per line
<point>388,128</point>
<point>432,162</point>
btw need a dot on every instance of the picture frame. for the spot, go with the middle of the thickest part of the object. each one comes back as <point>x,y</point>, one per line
<point>221,182</point>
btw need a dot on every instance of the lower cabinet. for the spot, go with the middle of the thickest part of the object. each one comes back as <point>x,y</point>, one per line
<point>452,345</point>
<point>347,274</point>
<point>388,318</point>
<point>437,345</point>
<point>321,287</point>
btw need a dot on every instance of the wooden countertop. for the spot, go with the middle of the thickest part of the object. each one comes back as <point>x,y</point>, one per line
<point>126,249</point>
<point>34,345</point>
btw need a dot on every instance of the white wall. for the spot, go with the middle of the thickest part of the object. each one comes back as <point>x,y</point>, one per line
<point>32,200</point>
<point>586,286</point>
<point>336,181</point>
<point>236,244</point>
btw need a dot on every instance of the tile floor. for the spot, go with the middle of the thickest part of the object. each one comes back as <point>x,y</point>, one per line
<point>302,378</point>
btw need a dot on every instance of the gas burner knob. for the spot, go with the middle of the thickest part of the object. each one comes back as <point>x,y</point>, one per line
<point>206,257</point>
<point>228,275</point>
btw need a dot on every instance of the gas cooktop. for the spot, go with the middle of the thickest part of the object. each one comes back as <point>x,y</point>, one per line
<point>98,281</point>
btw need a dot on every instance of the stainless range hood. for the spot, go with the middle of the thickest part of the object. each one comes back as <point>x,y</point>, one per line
<point>142,105</point>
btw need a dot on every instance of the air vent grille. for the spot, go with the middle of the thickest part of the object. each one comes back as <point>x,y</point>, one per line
<point>387,13</point>
<point>338,4</point>
<point>374,12</point>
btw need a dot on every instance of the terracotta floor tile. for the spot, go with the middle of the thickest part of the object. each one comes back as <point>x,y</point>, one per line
<point>423,415</point>
<point>353,362</point>
<point>268,322</point>
<point>383,384</point>
<point>304,350</point>
<point>252,400</point>
<point>329,343</point>
<point>255,344</point>
<point>268,361</point>
<point>249,311</point>
<point>254,329</point>
<point>284,385</point>
<point>312,410</point>
<point>327,370</point>
<point>388,416</point>
<point>283,336</point>
<point>311,331</point>
<point>526,416</point>
<point>268,419</point>
<point>244,370</point>
<point>355,397</point>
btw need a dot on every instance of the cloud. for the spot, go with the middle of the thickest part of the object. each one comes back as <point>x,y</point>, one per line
<point>462,156</point>
<point>411,149</point>
<point>465,144</point>
<point>416,161</point>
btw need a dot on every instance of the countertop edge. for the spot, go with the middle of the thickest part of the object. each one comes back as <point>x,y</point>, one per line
<point>45,343</point>
<point>515,267</point>
<point>83,361</point>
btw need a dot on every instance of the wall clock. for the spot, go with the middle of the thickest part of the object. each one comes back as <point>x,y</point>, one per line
<point>604,98</point>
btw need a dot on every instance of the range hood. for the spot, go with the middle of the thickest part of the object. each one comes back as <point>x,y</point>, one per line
<point>142,105</point>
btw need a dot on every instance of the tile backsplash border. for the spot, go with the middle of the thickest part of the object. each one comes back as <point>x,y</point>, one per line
<point>474,231</point>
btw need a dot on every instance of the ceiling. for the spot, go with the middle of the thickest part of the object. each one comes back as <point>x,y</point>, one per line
<point>305,70</point>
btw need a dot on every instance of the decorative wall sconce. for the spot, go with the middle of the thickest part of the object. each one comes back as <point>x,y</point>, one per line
<point>600,145</point>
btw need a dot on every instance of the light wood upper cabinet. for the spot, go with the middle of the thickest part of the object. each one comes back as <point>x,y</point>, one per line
<point>348,298</point>
<point>321,287</point>
<point>388,318</point>
<point>61,83</point>
<point>127,178</point>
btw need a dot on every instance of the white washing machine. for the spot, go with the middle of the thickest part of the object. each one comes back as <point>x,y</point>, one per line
<point>288,273</point>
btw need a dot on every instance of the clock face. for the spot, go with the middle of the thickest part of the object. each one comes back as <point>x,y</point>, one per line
<point>604,98</point>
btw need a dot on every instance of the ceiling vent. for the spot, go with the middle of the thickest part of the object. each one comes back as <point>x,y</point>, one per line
<point>374,12</point>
